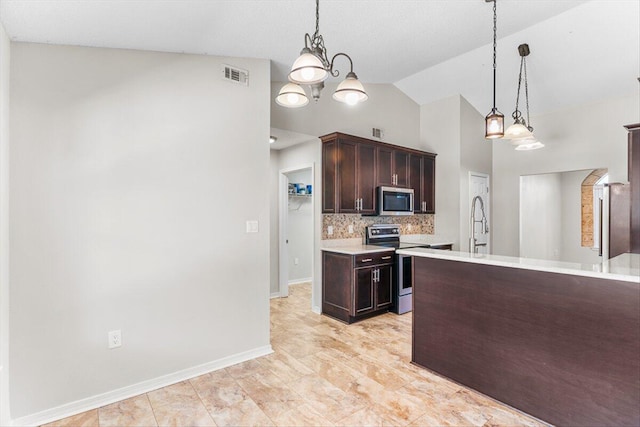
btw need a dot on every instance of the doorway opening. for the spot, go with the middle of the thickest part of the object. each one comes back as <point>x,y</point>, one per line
<point>296,225</point>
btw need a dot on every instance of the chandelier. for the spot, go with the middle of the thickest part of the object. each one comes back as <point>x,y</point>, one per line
<point>312,68</point>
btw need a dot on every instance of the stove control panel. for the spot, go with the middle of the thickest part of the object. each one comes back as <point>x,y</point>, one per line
<point>383,231</point>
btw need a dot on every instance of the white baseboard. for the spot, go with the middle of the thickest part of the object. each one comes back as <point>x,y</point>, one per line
<point>299,281</point>
<point>275,295</point>
<point>109,397</point>
<point>316,309</point>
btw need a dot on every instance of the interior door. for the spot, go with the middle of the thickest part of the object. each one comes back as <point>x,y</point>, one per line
<point>479,186</point>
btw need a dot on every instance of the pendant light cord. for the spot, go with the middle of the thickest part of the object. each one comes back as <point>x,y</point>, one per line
<point>495,29</point>
<point>516,113</point>
<point>526,92</point>
<point>317,19</point>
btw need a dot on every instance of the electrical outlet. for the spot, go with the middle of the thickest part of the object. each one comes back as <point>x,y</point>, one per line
<point>296,261</point>
<point>409,227</point>
<point>350,229</point>
<point>330,230</point>
<point>115,339</point>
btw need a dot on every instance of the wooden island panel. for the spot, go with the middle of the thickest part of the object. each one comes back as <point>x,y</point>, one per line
<point>562,348</point>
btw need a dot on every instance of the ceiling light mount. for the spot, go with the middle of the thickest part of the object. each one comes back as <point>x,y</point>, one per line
<point>313,67</point>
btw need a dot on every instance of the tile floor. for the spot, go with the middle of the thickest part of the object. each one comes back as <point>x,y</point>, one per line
<point>322,373</point>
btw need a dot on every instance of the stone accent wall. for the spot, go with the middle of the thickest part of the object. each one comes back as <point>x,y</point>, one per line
<point>411,224</point>
<point>586,198</point>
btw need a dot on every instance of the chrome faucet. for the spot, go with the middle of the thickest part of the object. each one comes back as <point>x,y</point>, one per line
<point>473,243</point>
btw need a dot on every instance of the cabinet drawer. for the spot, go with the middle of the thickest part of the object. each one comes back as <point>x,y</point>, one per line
<point>375,258</point>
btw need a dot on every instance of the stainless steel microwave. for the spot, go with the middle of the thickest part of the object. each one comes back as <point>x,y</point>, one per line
<point>395,201</point>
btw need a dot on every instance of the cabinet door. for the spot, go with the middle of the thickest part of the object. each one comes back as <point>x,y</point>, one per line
<point>401,167</point>
<point>363,292</point>
<point>383,286</point>
<point>366,178</point>
<point>416,182</point>
<point>384,166</point>
<point>329,167</point>
<point>347,182</point>
<point>429,183</point>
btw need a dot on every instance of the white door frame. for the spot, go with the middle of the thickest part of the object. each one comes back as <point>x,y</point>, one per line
<point>487,207</point>
<point>283,222</point>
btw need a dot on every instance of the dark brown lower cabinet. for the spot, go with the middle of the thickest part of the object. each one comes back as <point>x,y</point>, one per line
<point>355,287</point>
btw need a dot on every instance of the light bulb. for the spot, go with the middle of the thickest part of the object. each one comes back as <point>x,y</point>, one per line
<point>307,74</point>
<point>494,125</point>
<point>292,98</point>
<point>351,98</point>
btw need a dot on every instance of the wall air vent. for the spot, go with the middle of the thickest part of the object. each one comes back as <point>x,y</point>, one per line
<point>235,75</point>
<point>377,133</point>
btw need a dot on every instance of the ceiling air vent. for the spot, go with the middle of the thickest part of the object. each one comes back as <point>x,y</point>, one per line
<point>235,75</point>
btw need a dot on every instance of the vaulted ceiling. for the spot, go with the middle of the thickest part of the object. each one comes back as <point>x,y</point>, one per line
<point>580,50</point>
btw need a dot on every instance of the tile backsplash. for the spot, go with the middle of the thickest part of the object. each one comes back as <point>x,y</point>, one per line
<point>411,224</point>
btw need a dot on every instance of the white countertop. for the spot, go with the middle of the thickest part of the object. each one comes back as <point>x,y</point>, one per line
<point>356,249</point>
<point>625,267</point>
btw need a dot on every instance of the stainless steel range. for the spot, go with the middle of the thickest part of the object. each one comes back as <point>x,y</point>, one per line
<point>388,235</point>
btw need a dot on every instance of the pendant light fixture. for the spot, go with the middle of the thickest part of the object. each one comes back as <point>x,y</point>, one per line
<point>312,68</point>
<point>494,122</point>
<point>520,132</point>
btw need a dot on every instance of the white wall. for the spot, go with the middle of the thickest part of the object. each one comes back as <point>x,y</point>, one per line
<point>541,216</point>
<point>475,156</point>
<point>453,129</point>
<point>440,134</point>
<point>5,54</point>
<point>300,230</point>
<point>584,137</point>
<point>132,176</point>
<point>274,243</point>
<point>387,108</point>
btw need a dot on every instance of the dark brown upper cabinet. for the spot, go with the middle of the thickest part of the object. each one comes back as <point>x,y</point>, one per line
<point>392,167</point>
<point>422,179</point>
<point>348,175</point>
<point>353,167</point>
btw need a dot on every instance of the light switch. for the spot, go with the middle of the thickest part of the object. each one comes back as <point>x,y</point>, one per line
<point>350,229</point>
<point>252,226</point>
<point>330,230</point>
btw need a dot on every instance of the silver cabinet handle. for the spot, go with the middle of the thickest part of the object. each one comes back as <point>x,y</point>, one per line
<point>361,208</point>
<point>386,257</point>
<point>366,260</point>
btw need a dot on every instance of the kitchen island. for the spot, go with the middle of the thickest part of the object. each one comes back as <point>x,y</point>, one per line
<point>559,341</point>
